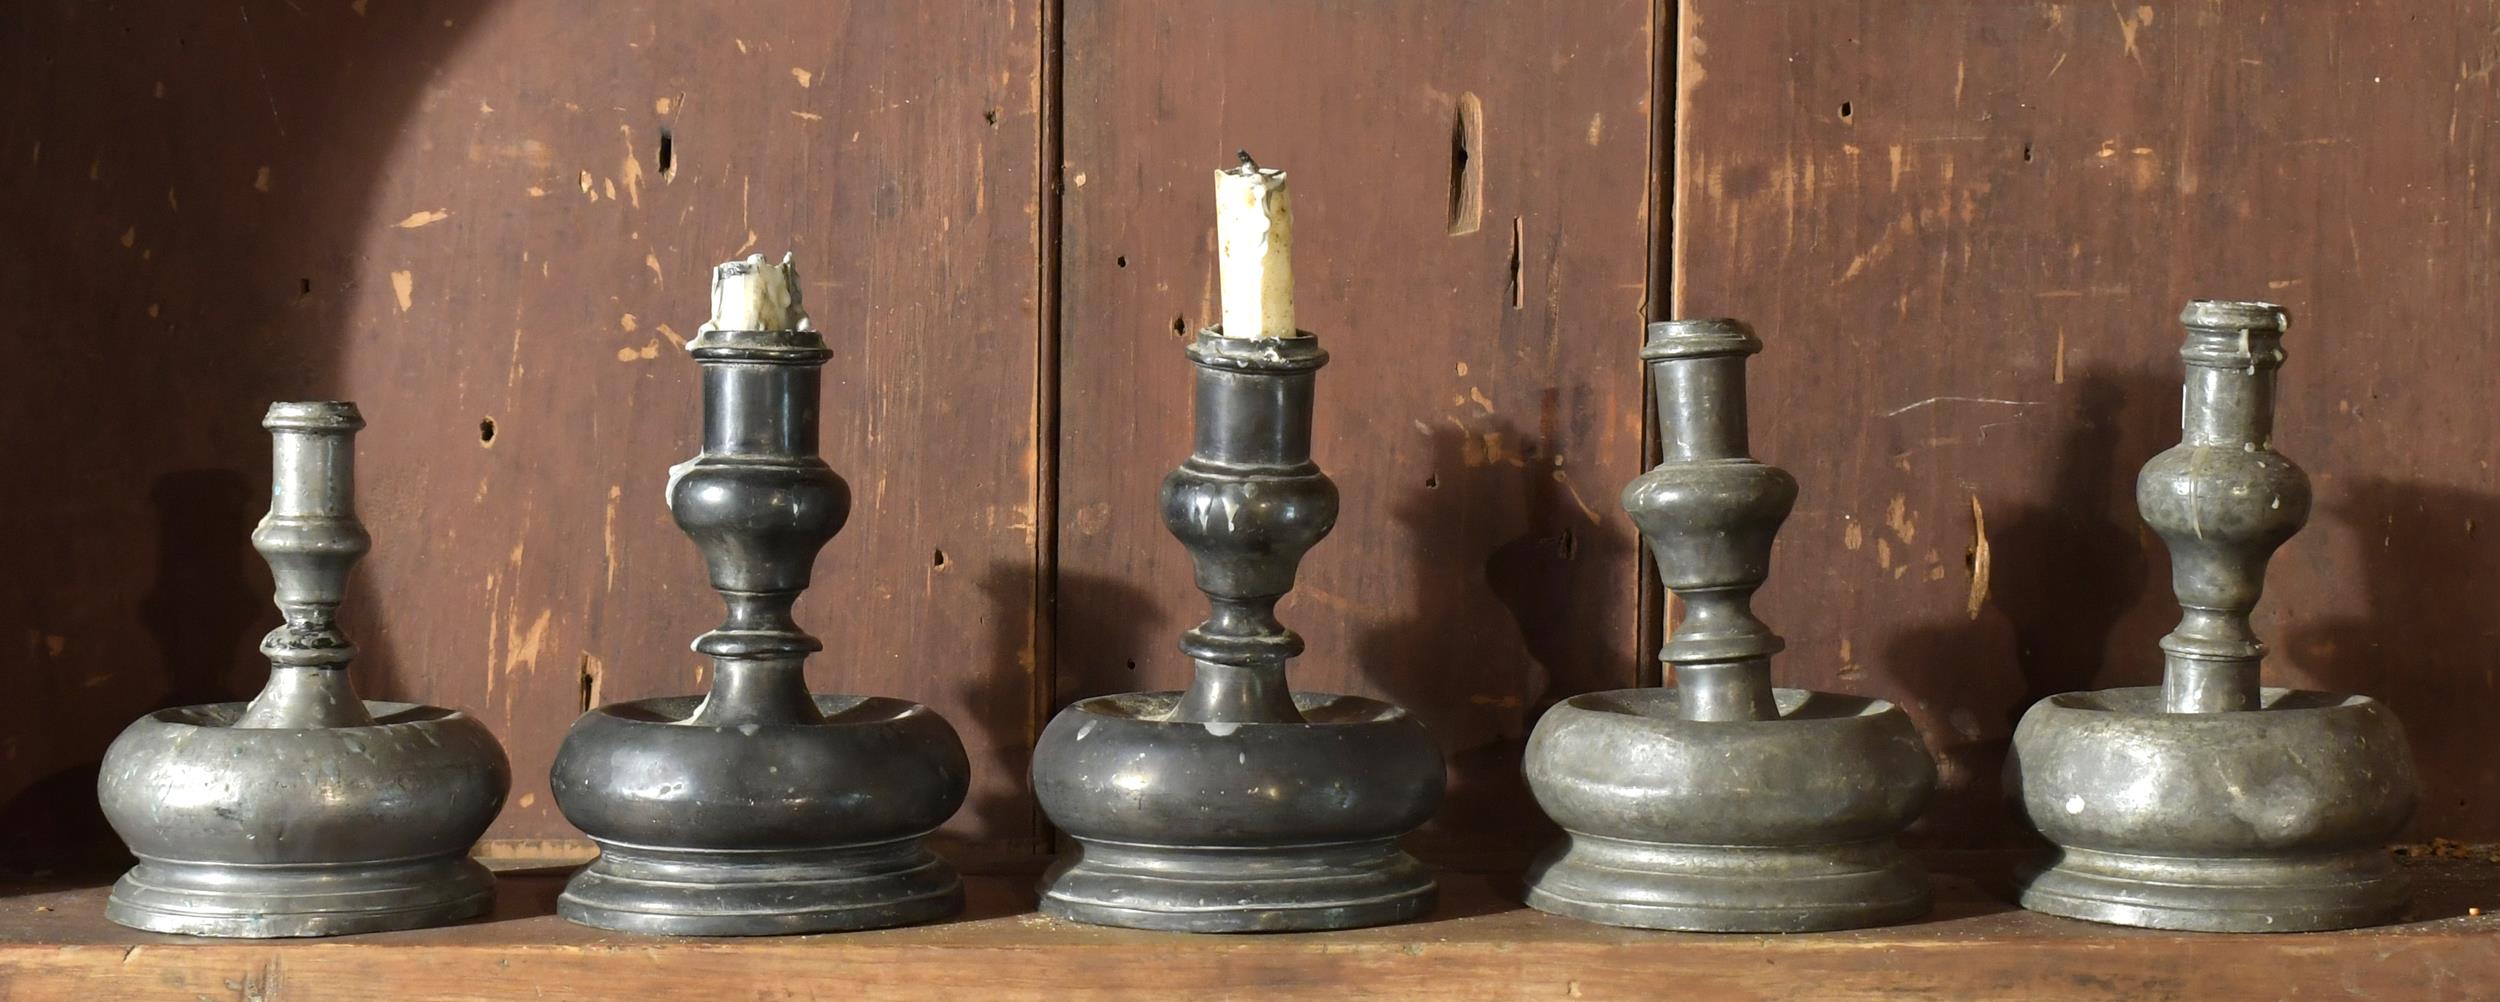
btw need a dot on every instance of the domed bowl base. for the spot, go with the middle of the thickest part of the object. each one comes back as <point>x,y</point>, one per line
<point>1281,889</point>
<point>1706,888</point>
<point>693,892</point>
<point>2308,893</point>
<point>268,901</point>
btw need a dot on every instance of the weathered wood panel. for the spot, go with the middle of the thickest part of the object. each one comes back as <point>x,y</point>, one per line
<point>1965,230</point>
<point>491,225</point>
<point>1471,217</point>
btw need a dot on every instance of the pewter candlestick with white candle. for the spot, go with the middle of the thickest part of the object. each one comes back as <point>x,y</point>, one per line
<point>760,808</point>
<point>1240,805</point>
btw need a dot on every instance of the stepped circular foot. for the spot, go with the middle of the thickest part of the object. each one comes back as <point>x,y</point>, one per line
<point>1236,827</point>
<point>2267,820</point>
<point>1729,888</point>
<point>1783,825</point>
<point>1287,889</point>
<point>680,893</point>
<point>271,901</point>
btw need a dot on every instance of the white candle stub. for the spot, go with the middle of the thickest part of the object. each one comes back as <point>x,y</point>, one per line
<point>1254,251</point>
<point>756,295</point>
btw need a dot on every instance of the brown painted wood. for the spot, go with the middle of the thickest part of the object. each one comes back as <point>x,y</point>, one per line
<point>1965,230</point>
<point>459,216</point>
<point>1480,944</point>
<point>1478,415</point>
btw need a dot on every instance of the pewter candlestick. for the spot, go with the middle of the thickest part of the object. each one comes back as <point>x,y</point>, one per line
<point>2211,803</point>
<point>1723,804</point>
<point>1240,805</point>
<point>308,811</point>
<point>760,808</point>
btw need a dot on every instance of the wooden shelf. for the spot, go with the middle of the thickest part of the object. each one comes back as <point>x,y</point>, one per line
<point>55,943</point>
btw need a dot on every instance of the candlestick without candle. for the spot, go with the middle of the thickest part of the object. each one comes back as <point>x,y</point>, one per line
<point>1254,251</point>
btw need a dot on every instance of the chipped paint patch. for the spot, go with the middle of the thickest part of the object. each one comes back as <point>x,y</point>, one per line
<point>404,287</point>
<point>425,218</point>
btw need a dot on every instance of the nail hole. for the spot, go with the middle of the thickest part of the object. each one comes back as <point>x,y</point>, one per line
<point>937,558</point>
<point>486,431</point>
<point>2026,152</point>
<point>303,287</point>
<point>1466,170</point>
<point>1132,666</point>
<point>668,154</point>
<point>990,116</point>
<point>1433,482</point>
<point>1180,325</point>
<point>1518,284</point>
<point>1844,111</point>
<point>1122,260</point>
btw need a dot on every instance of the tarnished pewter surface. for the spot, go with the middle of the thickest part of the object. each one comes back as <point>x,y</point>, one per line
<point>1723,804</point>
<point>1240,805</point>
<point>760,808</point>
<point>2212,803</point>
<point>307,811</point>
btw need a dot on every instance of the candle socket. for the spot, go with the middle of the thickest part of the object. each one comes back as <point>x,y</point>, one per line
<point>1240,805</point>
<point>307,811</point>
<point>760,808</point>
<point>2211,803</point>
<point>1723,804</point>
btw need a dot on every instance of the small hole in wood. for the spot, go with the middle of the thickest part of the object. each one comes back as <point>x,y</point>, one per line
<point>2026,152</point>
<point>303,287</point>
<point>1844,111</point>
<point>486,431</point>
<point>1466,165</point>
<point>668,154</point>
<point>1432,482</point>
<point>1180,325</point>
<point>990,116</point>
<point>1518,280</point>
<point>1132,666</point>
<point>1568,546</point>
<point>937,558</point>
<point>1122,260</point>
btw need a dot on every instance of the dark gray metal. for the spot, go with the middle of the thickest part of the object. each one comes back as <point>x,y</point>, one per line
<point>1723,804</point>
<point>308,811</point>
<point>760,809</point>
<point>2211,803</point>
<point>1240,805</point>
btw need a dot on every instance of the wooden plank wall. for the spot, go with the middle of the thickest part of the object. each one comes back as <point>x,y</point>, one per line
<point>1963,228</point>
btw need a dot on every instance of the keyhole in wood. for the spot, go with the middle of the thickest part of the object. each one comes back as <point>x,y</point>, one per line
<point>1467,166</point>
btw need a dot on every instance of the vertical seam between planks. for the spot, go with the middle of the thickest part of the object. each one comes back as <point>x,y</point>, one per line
<point>1046,377</point>
<point>1659,302</point>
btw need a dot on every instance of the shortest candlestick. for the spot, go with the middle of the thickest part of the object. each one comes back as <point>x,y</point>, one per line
<point>2212,803</point>
<point>1240,805</point>
<point>760,808</point>
<point>1723,804</point>
<point>308,811</point>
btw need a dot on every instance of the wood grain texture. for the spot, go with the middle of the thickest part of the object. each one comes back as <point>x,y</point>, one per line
<point>1966,229</point>
<point>1479,945</point>
<point>1482,407</point>
<point>492,227</point>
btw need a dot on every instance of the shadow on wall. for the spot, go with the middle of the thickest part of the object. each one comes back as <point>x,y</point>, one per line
<point>1514,580</point>
<point>195,183</point>
<point>2072,582</point>
<point>2416,629</point>
<point>1096,608</point>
